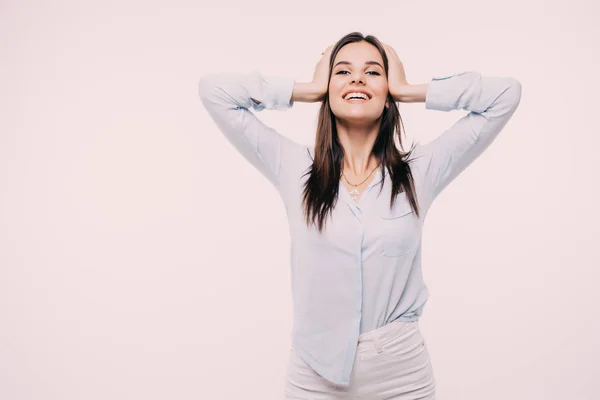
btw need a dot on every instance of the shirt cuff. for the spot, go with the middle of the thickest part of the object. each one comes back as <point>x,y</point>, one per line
<point>276,92</point>
<point>443,91</point>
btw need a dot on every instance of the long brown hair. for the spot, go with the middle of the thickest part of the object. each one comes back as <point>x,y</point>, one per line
<point>321,188</point>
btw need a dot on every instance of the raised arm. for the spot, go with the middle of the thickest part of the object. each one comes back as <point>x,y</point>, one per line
<point>491,102</point>
<point>228,99</point>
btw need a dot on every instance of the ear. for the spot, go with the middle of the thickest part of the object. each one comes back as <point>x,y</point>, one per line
<point>387,104</point>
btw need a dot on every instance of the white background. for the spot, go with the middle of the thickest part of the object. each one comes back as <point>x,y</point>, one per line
<point>141,257</point>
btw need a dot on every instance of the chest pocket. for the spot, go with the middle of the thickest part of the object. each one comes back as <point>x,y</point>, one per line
<point>400,229</point>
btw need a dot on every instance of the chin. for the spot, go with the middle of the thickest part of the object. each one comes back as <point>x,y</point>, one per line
<point>360,117</point>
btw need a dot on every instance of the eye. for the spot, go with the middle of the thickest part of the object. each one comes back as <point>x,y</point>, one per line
<point>374,72</point>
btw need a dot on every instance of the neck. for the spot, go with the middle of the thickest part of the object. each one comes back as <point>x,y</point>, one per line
<point>358,141</point>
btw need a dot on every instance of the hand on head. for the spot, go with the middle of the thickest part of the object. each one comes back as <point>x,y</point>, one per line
<point>321,74</point>
<point>396,73</point>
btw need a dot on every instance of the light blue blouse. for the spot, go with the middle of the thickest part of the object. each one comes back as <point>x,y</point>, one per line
<point>364,270</point>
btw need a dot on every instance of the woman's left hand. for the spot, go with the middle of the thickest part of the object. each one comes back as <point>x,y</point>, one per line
<point>396,73</point>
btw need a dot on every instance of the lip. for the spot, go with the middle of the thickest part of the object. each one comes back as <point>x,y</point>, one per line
<point>357,91</point>
<point>356,100</point>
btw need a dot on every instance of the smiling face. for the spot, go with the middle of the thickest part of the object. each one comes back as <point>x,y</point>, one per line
<point>358,68</point>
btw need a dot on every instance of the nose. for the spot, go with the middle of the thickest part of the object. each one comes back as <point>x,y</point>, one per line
<point>358,76</point>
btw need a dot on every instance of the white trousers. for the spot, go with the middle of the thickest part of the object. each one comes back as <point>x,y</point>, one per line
<point>391,363</point>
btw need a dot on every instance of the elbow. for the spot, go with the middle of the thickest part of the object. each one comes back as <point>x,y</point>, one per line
<point>205,86</point>
<point>210,85</point>
<point>514,91</point>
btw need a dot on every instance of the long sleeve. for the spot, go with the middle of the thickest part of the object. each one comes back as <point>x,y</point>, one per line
<point>228,100</point>
<point>491,102</point>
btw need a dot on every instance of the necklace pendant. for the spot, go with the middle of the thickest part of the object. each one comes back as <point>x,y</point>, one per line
<point>354,193</point>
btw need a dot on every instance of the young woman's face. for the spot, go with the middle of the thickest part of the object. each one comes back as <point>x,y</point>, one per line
<point>358,67</point>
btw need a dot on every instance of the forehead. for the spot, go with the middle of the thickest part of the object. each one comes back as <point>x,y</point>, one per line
<point>358,53</point>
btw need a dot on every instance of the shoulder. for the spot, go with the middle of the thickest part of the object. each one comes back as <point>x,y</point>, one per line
<point>420,155</point>
<point>296,157</point>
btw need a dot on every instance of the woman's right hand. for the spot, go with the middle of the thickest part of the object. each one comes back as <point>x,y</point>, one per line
<point>321,75</point>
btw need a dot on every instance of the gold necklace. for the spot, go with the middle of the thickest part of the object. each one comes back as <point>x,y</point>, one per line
<point>355,192</point>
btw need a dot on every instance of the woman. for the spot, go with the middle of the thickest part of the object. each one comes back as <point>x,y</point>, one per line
<point>357,286</point>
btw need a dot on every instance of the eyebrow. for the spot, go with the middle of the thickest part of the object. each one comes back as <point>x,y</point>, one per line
<point>366,63</point>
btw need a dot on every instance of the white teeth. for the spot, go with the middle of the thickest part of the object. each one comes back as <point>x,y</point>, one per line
<point>356,94</point>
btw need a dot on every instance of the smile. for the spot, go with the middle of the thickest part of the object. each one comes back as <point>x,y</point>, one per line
<point>356,96</point>
<point>356,100</point>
